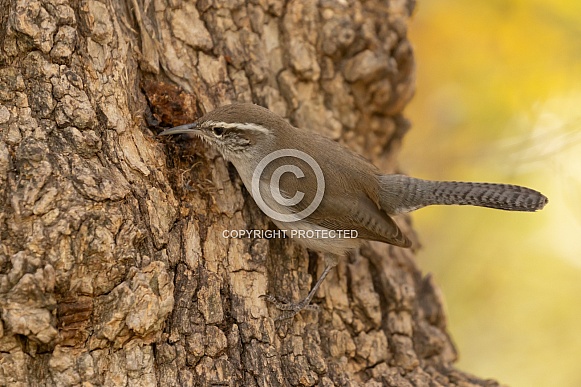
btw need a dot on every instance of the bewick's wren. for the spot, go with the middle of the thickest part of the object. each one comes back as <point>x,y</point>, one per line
<point>306,182</point>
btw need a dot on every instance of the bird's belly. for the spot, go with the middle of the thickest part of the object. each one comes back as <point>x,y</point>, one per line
<point>310,235</point>
<point>319,238</point>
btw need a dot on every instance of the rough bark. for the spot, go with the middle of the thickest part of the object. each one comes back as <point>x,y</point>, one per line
<point>113,268</point>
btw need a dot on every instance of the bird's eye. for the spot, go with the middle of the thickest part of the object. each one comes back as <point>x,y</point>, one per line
<point>218,132</point>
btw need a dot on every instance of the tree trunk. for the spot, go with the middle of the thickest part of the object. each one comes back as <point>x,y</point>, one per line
<point>114,269</point>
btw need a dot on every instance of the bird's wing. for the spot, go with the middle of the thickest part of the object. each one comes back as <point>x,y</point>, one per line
<point>346,211</point>
<point>363,216</point>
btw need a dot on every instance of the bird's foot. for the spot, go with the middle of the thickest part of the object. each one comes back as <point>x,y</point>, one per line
<point>290,309</point>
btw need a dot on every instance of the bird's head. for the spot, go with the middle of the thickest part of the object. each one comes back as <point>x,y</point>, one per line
<point>237,131</point>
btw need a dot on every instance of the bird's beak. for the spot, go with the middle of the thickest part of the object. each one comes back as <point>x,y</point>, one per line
<point>187,128</point>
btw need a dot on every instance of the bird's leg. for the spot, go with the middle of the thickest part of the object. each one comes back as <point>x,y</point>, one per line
<point>291,309</point>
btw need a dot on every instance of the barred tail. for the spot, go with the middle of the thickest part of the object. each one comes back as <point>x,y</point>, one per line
<point>401,193</point>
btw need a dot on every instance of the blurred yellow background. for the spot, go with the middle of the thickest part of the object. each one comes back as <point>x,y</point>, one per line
<point>499,99</point>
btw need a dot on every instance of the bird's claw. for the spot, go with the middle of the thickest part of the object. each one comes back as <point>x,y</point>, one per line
<point>289,309</point>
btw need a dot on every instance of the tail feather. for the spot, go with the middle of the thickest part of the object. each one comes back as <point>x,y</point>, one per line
<point>401,193</point>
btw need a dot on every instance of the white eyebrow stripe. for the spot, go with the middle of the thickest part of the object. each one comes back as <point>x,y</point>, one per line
<point>247,126</point>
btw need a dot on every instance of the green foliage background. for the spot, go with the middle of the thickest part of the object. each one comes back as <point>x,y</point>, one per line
<point>499,99</point>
